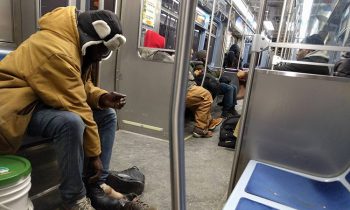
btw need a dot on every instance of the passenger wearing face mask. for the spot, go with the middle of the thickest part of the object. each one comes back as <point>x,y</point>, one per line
<point>46,90</point>
<point>307,55</point>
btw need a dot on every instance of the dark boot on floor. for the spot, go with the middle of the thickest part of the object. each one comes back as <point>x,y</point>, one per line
<point>230,113</point>
<point>99,199</point>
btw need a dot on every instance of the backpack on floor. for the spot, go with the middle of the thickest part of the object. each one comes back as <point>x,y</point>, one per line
<point>127,181</point>
<point>226,138</point>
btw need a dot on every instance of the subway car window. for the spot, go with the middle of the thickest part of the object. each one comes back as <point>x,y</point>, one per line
<point>48,5</point>
<point>318,23</point>
<point>158,23</point>
<point>107,4</point>
<point>157,30</point>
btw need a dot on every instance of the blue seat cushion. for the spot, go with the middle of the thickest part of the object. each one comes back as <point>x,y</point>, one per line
<point>246,204</point>
<point>2,56</point>
<point>297,191</point>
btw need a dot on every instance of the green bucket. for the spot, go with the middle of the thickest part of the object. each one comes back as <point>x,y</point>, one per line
<point>14,182</point>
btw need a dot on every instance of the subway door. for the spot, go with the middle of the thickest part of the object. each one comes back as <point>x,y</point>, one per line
<point>147,84</point>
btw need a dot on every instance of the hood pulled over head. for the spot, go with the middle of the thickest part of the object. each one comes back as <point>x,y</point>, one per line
<point>100,26</point>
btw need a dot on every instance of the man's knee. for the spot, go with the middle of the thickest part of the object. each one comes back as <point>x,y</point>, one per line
<point>109,115</point>
<point>71,121</point>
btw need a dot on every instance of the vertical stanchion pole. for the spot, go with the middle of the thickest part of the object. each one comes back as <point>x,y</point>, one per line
<point>101,4</point>
<point>242,46</point>
<point>289,25</point>
<point>281,24</point>
<point>284,8</point>
<point>184,36</point>
<point>253,61</point>
<point>209,40</point>
<point>224,39</point>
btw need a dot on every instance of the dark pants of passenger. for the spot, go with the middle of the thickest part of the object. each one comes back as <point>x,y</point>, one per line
<point>67,131</point>
<point>229,91</point>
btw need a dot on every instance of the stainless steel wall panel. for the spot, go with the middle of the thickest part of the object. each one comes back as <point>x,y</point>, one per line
<point>298,121</point>
<point>147,84</point>
<point>28,18</point>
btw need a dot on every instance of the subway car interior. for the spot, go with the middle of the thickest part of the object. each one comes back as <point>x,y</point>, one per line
<point>289,146</point>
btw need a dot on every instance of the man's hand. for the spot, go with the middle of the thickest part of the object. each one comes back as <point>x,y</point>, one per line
<point>242,75</point>
<point>96,164</point>
<point>112,100</point>
<point>198,72</point>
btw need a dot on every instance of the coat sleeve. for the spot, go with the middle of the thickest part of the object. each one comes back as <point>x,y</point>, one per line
<point>58,84</point>
<point>93,93</point>
<point>292,67</point>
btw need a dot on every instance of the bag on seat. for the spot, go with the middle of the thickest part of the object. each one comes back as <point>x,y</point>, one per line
<point>131,180</point>
<point>226,138</point>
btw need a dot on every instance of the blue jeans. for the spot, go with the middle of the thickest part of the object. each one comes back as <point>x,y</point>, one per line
<point>66,129</point>
<point>229,91</point>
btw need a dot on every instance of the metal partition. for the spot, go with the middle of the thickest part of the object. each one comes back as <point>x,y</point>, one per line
<point>298,121</point>
<point>294,120</point>
<point>147,84</point>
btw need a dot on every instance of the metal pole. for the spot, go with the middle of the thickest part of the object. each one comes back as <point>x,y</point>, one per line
<point>101,4</point>
<point>252,65</point>
<point>288,21</point>
<point>281,21</point>
<point>242,46</point>
<point>209,40</point>
<point>184,36</point>
<point>82,5</point>
<point>224,40</point>
<point>281,24</point>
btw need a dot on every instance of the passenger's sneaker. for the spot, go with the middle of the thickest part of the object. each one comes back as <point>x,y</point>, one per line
<point>201,133</point>
<point>82,204</point>
<point>214,123</point>
<point>137,205</point>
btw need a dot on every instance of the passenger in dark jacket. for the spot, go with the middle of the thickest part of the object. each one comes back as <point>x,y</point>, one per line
<point>307,55</point>
<point>232,57</point>
<point>342,67</point>
<point>212,82</point>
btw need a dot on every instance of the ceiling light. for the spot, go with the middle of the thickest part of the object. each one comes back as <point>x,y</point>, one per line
<point>268,25</point>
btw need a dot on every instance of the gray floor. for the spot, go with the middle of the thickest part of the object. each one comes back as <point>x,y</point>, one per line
<point>208,169</point>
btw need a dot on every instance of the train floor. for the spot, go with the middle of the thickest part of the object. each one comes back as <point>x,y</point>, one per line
<point>207,168</point>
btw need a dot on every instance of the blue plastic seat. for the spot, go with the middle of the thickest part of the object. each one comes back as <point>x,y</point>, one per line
<point>263,186</point>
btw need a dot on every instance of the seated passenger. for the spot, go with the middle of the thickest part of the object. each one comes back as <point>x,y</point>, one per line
<point>46,90</point>
<point>342,67</point>
<point>228,90</point>
<point>306,55</point>
<point>199,100</point>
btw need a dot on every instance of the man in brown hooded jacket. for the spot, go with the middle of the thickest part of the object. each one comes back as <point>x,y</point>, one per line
<point>46,90</point>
